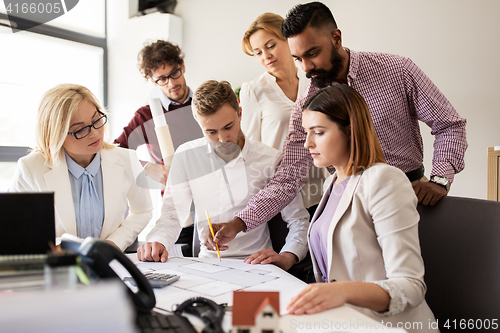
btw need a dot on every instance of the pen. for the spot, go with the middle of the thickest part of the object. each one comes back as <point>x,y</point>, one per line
<point>213,235</point>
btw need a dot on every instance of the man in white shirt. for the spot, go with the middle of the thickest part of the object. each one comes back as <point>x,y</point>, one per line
<point>220,173</point>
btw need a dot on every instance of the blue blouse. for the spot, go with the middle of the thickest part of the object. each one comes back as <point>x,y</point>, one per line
<point>84,228</point>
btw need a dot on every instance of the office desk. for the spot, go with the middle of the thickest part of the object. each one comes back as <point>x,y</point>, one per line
<point>217,280</point>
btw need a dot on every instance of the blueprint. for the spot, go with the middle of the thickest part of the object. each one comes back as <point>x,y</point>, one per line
<point>216,280</point>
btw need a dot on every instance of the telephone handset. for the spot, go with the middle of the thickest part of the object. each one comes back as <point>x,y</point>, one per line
<point>207,310</point>
<point>98,254</point>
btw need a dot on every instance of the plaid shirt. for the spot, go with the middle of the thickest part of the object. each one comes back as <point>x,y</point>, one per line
<point>398,94</point>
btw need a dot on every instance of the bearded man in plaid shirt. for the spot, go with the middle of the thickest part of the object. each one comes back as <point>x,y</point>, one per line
<point>398,93</point>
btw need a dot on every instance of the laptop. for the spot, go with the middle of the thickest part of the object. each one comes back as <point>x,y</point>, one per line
<point>27,230</point>
<point>27,223</point>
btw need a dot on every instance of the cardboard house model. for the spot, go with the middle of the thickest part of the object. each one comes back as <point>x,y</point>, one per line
<point>255,311</point>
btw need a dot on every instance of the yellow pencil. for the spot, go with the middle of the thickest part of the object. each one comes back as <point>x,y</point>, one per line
<point>213,235</point>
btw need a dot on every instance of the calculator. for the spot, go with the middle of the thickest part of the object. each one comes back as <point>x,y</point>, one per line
<point>156,280</point>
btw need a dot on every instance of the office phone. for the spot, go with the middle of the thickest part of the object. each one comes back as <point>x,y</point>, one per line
<point>97,254</point>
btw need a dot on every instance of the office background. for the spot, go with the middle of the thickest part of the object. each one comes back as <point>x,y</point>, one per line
<point>455,42</point>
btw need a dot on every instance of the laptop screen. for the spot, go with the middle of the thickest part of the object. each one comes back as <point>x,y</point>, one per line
<point>27,223</point>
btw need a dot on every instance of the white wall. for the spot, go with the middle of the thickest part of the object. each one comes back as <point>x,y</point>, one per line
<point>128,90</point>
<point>456,42</point>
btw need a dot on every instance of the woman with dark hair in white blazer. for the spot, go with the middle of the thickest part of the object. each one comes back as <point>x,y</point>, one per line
<point>363,238</point>
<point>94,183</point>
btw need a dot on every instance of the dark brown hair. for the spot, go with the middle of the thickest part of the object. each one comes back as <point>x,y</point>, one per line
<point>313,14</point>
<point>156,54</point>
<point>346,107</point>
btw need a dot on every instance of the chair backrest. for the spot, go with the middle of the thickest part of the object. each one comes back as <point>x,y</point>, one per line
<point>460,241</point>
<point>278,230</point>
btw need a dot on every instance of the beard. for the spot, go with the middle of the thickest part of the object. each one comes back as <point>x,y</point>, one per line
<point>323,77</point>
<point>226,148</point>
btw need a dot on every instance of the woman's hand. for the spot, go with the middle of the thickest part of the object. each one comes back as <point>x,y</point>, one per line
<point>284,260</point>
<point>317,297</point>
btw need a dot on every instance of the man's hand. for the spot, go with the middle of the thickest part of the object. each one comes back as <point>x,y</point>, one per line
<point>152,251</point>
<point>224,233</point>
<point>157,172</point>
<point>285,260</point>
<point>209,241</point>
<point>429,193</point>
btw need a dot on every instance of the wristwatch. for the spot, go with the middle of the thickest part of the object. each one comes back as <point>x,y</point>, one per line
<point>442,181</point>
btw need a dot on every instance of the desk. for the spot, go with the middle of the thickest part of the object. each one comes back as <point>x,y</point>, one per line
<point>217,280</point>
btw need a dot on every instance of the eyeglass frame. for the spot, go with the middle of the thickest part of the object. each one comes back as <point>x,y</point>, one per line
<point>90,126</point>
<point>168,77</point>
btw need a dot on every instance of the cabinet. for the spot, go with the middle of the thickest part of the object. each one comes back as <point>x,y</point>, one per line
<point>494,173</point>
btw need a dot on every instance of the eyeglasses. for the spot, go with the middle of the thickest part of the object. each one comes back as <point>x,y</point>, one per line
<point>163,80</point>
<point>84,131</point>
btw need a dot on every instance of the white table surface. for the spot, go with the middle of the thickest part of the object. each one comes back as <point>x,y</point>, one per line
<point>190,284</point>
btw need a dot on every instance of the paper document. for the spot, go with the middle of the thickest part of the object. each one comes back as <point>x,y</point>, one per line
<point>162,131</point>
<point>175,251</point>
<point>214,279</point>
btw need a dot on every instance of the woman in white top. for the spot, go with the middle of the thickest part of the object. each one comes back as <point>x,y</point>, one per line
<point>94,183</point>
<point>267,101</point>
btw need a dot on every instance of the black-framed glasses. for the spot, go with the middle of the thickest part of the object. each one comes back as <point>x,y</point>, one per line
<point>163,80</point>
<point>84,131</point>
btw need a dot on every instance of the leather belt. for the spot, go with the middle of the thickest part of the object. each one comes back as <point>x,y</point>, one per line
<point>415,174</point>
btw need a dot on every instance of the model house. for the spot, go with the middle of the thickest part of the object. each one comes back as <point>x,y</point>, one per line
<point>255,311</point>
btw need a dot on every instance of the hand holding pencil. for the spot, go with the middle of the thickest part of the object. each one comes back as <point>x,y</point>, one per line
<point>213,235</point>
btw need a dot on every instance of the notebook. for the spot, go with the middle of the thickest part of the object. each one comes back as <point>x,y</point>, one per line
<point>27,223</point>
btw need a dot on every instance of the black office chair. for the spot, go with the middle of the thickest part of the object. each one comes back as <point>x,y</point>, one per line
<point>460,241</point>
<point>278,230</point>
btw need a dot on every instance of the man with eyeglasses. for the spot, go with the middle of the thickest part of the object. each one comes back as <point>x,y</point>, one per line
<point>162,64</point>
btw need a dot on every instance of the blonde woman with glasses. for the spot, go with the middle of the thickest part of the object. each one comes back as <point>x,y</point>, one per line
<point>94,183</point>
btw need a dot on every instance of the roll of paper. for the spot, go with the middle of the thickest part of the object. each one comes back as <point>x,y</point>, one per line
<point>157,112</point>
<point>166,145</point>
<point>162,131</point>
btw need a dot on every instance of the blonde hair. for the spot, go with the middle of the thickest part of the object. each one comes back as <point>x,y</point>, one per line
<point>57,107</point>
<point>269,22</point>
<point>211,95</point>
<point>346,107</point>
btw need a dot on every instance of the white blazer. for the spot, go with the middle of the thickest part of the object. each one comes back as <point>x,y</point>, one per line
<point>120,168</point>
<point>374,238</point>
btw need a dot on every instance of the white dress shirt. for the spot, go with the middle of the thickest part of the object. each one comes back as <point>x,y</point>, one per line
<point>265,117</point>
<point>223,189</point>
<point>266,110</point>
